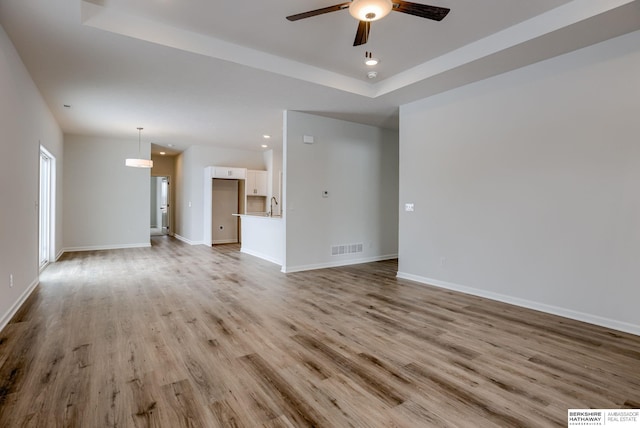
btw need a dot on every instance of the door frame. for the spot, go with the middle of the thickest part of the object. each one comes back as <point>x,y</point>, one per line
<point>46,208</point>
<point>169,202</point>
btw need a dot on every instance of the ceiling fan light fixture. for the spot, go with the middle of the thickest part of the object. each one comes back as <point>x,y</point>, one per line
<point>370,10</point>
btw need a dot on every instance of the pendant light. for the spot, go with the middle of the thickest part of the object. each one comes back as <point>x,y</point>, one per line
<point>139,163</point>
<point>370,60</point>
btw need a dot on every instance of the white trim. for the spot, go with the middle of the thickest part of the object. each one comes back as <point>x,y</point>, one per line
<point>290,269</point>
<point>556,19</point>
<point>529,304</point>
<point>110,19</point>
<point>60,253</point>
<point>188,241</point>
<point>52,180</point>
<point>261,256</point>
<point>16,306</point>
<point>106,247</point>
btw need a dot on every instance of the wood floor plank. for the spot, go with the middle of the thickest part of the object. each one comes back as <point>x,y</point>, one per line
<point>186,406</point>
<point>226,416</point>
<point>177,335</point>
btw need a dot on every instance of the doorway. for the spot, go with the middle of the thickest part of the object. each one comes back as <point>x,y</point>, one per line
<point>225,202</point>
<point>159,213</point>
<point>46,209</point>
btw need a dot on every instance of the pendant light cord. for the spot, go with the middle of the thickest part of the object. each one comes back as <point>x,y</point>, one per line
<point>139,137</point>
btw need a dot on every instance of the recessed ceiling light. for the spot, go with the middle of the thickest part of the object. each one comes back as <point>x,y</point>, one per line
<point>372,74</point>
<point>266,136</point>
<point>170,145</point>
<point>264,146</point>
<point>163,153</point>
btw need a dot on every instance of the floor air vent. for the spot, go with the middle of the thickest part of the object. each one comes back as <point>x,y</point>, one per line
<point>338,250</point>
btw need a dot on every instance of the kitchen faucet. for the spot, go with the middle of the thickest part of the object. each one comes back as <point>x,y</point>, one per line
<point>273,199</point>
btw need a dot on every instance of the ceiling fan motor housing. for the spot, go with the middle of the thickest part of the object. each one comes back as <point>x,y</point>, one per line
<point>370,10</point>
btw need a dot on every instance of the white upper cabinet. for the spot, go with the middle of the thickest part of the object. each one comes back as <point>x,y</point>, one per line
<point>228,172</point>
<point>256,184</point>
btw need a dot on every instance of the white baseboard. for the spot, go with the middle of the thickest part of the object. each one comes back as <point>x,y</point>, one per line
<point>23,297</point>
<point>106,247</point>
<point>291,269</point>
<point>187,241</point>
<point>261,256</point>
<point>529,304</point>
<point>60,253</point>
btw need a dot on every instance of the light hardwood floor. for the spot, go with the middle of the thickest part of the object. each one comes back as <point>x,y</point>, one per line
<point>182,336</point>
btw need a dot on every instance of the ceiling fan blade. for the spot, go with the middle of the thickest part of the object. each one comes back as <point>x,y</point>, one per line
<point>319,11</point>
<point>422,10</point>
<point>362,34</point>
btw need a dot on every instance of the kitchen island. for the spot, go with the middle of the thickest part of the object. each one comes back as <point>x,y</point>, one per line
<point>262,236</point>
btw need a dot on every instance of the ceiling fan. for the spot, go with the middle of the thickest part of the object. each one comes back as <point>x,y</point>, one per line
<point>366,11</point>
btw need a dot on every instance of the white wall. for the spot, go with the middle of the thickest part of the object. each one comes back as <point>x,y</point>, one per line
<point>358,166</point>
<point>25,123</point>
<point>190,167</point>
<point>526,186</point>
<point>106,203</point>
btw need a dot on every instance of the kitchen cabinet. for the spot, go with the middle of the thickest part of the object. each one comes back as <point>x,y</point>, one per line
<point>229,173</point>
<point>256,184</point>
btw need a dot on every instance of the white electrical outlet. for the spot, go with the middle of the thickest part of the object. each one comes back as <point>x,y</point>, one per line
<point>11,280</point>
<point>408,207</point>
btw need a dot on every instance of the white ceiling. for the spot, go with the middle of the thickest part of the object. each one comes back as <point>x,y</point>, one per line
<point>221,73</point>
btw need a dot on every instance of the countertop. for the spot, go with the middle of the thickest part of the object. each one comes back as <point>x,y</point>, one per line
<point>259,215</point>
